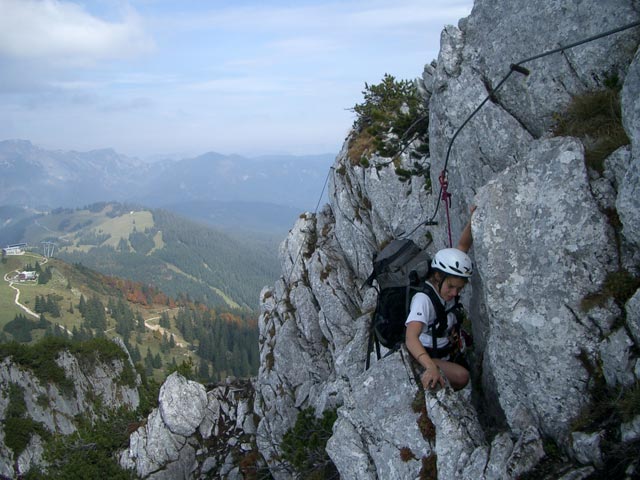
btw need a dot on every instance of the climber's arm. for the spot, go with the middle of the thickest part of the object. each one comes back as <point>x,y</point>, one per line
<point>431,376</point>
<point>466,239</point>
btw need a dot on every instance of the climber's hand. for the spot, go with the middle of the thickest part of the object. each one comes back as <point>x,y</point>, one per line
<point>431,378</point>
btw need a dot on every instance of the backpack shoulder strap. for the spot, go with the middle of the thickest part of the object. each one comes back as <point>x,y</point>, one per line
<point>441,313</point>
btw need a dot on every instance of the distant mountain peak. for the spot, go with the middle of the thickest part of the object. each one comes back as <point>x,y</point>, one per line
<point>73,178</point>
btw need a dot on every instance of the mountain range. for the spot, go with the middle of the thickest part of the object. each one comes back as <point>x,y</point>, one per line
<point>263,193</point>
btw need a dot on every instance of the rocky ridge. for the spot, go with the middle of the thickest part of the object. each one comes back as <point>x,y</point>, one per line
<point>544,239</point>
<point>55,408</point>
<point>195,433</point>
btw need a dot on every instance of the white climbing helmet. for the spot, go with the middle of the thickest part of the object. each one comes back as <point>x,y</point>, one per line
<point>453,262</point>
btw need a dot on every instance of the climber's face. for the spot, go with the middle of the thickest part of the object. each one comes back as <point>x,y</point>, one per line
<point>451,287</point>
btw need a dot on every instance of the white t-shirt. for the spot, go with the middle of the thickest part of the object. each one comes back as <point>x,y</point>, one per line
<point>422,311</point>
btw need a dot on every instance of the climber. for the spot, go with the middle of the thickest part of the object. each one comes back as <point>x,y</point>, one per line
<point>449,273</point>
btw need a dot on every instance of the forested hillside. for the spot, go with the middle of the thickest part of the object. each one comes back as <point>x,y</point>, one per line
<point>162,333</point>
<point>178,256</point>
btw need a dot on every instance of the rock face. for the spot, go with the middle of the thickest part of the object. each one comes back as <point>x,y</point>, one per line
<point>544,239</point>
<point>195,433</point>
<point>93,384</point>
<point>539,227</point>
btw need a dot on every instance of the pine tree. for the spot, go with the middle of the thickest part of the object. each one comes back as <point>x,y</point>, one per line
<point>82,306</point>
<point>148,363</point>
<point>52,307</point>
<point>140,323</point>
<point>135,354</point>
<point>95,315</point>
<point>37,305</point>
<point>164,320</point>
<point>164,345</point>
<point>157,361</point>
<point>203,370</point>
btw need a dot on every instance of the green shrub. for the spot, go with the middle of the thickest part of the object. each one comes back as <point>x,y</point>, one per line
<point>97,349</point>
<point>608,405</point>
<point>303,446</point>
<point>148,390</point>
<point>552,465</point>
<point>91,452</point>
<point>607,409</point>
<point>18,427</point>
<point>40,359</point>
<point>392,115</point>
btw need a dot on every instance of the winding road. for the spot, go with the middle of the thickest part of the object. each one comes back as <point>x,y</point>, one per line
<point>11,282</point>
<point>10,279</point>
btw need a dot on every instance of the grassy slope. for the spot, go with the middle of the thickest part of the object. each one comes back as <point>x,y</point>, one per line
<point>8,309</point>
<point>65,275</point>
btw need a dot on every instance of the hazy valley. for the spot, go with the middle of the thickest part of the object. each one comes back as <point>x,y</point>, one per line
<point>263,194</point>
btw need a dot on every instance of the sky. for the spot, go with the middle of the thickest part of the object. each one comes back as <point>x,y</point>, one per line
<point>184,77</point>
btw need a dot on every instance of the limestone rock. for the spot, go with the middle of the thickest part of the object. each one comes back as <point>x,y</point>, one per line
<point>617,361</point>
<point>194,433</point>
<point>56,407</point>
<point>542,242</point>
<point>628,204</point>
<point>538,227</point>
<point>578,474</point>
<point>586,447</point>
<point>378,435</point>
<point>633,316</point>
<point>630,431</point>
<point>182,404</point>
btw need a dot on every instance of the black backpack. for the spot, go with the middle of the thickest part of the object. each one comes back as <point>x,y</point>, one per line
<point>400,270</point>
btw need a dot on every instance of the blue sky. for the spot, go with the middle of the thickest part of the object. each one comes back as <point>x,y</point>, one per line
<point>184,77</point>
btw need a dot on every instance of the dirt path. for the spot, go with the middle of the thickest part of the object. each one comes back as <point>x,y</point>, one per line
<point>157,328</point>
<point>42,260</point>
<point>17,300</point>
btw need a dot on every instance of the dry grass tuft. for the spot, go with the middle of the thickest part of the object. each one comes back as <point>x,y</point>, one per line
<point>361,147</point>
<point>406,454</point>
<point>595,118</point>
<point>429,470</point>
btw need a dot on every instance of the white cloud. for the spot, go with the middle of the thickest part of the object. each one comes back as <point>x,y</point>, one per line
<point>283,74</point>
<point>62,32</point>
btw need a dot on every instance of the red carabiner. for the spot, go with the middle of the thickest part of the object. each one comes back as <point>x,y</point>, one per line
<point>444,184</point>
<point>446,198</point>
